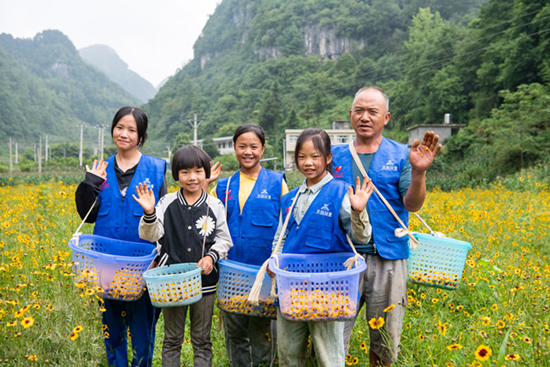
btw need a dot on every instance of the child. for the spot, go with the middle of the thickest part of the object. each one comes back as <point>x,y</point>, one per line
<point>191,227</point>
<point>324,208</point>
<point>110,182</point>
<point>253,206</point>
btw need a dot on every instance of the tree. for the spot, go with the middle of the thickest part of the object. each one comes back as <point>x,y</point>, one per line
<point>291,42</point>
<point>181,140</point>
<point>270,112</point>
<point>210,147</point>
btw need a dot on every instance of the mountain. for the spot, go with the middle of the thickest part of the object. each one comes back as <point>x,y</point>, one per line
<point>46,88</point>
<point>259,60</point>
<point>107,60</point>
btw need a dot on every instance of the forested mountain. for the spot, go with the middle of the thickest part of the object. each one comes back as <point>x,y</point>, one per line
<point>297,63</point>
<point>46,88</point>
<point>107,60</point>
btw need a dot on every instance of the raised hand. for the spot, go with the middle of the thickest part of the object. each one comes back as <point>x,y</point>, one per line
<point>146,198</point>
<point>98,169</point>
<point>358,200</point>
<point>422,154</point>
<point>215,171</point>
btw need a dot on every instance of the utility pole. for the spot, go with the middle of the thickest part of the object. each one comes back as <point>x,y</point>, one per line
<point>10,157</point>
<point>195,126</point>
<point>35,152</point>
<point>169,153</point>
<point>40,155</point>
<point>98,140</point>
<point>16,159</point>
<point>46,150</point>
<point>80,153</point>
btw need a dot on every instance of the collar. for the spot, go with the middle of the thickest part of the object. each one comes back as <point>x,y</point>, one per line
<point>197,203</point>
<point>318,186</point>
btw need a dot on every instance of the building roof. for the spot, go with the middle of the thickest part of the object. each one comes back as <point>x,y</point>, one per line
<point>434,125</point>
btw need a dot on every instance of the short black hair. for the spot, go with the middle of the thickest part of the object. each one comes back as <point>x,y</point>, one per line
<point>321,142</point>
<point>188,157</point>
<point>247,128</point>
<point>141,121</point>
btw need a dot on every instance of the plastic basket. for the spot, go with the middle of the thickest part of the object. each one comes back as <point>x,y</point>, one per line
<point>174,285</point>
<point>438,261</point>
<point>317,287</point>
<point>236,281</point>
<point>113,265</point>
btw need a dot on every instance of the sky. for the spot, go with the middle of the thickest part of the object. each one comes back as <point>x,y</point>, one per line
<point>154,38</point>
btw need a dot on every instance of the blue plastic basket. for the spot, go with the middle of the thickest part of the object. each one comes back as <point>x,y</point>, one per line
<point>236,281</point>
<point>174,285</point>
<point>113,265</point>
<point>438,261</point>
<point>317,287</point>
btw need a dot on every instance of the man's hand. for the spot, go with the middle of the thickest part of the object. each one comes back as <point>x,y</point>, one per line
<point>362,194</point>
<point>207,264</point>
<point>98,169</point>
<point>270,273</point>
<point>422,154</point>
<point>146,198</point>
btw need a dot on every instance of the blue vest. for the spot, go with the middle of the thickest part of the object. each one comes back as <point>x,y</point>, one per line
<point>252,231</point>
<point>117,217</point>
<point>385,171</point>
<point>319,230</point>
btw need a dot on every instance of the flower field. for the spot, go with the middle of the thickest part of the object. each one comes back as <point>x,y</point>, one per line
<point>498,316</point>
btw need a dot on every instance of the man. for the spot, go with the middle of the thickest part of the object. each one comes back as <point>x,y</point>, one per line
<point>399,175</point>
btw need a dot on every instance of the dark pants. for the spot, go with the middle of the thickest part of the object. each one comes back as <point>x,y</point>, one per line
<point>250,341</point>
<point>174,332</point>
<point>141,318</point>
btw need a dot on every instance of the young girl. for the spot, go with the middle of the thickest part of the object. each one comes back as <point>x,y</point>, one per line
<point>324,208</point>
<point>191,227</point>
<point>117,217</point>
<point>253,206</point>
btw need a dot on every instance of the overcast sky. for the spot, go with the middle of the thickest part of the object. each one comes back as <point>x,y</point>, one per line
<point>153,37</point>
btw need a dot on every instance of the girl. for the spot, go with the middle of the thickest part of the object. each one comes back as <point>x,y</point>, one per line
<point>117,217</point>
<point>253,204</point>
<point>191,227</point>
<point>324,209</point>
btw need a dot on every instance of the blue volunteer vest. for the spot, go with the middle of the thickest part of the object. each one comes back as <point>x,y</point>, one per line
<point>385,171</point>
<point>252,231</point>
<point>319,230</point>
<point>118,218</point>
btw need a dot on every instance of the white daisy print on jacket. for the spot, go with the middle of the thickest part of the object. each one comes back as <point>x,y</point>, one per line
<point>205,224</point>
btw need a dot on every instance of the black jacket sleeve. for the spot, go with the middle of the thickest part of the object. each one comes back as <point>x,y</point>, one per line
<point>85,195</point>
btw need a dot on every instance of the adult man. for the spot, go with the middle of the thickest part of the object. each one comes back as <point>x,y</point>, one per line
<point>399,175</point>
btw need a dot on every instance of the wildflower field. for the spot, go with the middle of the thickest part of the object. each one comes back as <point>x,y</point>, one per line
<point>499,316</point>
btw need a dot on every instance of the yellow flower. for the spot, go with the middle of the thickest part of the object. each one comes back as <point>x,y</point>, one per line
<point>512,357</point>
<point>106,335</point>
<point>500,324</point>
<point>73,336</point>
<point>33,358</point>
<point>123,313</point>
<point>27,322</point>
<point>376,324</point>
<point>483,352</point>
<point>454,347</point>
<point>486,321</point>
<point>494,307</point>
<point>11,324</point>
<point>78,329</point>
<point>442,328</point>
<point>389,308</point>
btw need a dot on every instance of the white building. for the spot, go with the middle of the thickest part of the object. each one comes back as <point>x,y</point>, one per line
<point>224,144</point>
<point>443,130</point>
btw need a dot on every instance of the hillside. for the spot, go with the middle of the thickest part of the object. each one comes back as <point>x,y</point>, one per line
<point>107,60</point>
<point>297,63</point>
<point>45,87</point>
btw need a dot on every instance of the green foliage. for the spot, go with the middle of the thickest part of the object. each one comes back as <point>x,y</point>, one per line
<point>46,88</point>
<point>210,147</point>
<point>181,140</point>
<point>26,165</point>
<point>229,161</point>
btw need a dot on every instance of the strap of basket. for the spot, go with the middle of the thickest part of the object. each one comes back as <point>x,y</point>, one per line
<point>226,198</point>
<point>77,232</point>
<point>205,225</point>
<point>254,296</point>
<point>414,243</point>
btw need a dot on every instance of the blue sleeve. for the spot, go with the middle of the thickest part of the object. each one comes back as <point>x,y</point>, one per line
<point>405,179</point>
